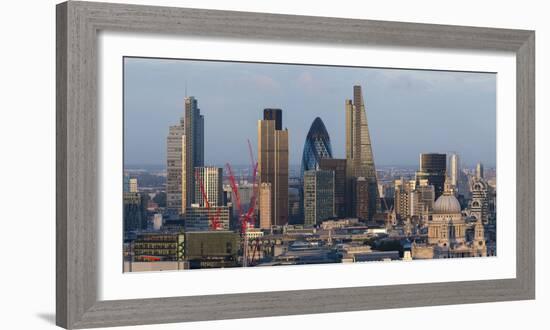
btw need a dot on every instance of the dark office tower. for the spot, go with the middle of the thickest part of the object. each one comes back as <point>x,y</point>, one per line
<point>276,115</point>
<point>360,160</point>
<point>362,194</point>
<point>273,167</point>
<point>338,166</point>
<point>135,211</point>
<point>316,147</point>
<point>433,167</point>
<point>318,196</point>
<point>193,155</point>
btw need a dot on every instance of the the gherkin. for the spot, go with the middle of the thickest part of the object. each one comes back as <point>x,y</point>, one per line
<point>316,147</point>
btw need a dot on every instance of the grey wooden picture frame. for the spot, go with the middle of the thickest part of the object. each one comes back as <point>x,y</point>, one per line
<point>77,190</point>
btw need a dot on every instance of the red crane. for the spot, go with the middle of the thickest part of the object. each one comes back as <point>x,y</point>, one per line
<point>235,189</point>
<point>254,166</point>
<point>212,219</point>
<point>247,218</point>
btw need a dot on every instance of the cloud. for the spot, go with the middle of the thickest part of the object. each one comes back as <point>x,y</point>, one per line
<point>249,79</point>
<point>265,82</point>
<point>305,78</point>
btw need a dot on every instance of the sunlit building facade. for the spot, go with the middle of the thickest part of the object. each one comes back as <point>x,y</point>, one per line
<point>174,156</point>
<point>208,182</point>
<point>359,156</point>
<point>273,163</point>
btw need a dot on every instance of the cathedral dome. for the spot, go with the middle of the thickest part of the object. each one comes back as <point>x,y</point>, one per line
<point>447,204</point>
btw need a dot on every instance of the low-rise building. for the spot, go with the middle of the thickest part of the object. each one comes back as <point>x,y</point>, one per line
<point>200,218</point>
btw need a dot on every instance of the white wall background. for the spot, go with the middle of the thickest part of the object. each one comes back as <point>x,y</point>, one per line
<point>27,165</point>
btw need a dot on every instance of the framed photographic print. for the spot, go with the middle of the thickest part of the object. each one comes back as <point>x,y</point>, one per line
<point>335,164</point>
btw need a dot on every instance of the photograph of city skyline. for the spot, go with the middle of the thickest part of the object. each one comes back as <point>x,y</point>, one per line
<point>239,164</point>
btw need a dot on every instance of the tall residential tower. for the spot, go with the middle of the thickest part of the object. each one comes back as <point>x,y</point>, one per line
<point>174,145</point>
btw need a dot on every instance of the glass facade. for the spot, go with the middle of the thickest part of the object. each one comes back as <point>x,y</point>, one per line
<point>316,147</point>
<point>433,168</point>
<point>135,211</point>
<point>193,150</point>
<point>318,196</point>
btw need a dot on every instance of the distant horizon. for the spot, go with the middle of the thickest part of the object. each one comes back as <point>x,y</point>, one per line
<point>408,111</point>
<point>408,166</point>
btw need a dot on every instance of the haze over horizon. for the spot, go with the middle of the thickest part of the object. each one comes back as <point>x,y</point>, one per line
<point>408,111</point>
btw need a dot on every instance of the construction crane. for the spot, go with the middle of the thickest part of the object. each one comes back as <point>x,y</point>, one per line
<point>245,218</point>
<point>213,220</point>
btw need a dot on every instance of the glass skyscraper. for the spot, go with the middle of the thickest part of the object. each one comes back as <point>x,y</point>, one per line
<point>433,167</point>
<point>193,150</point>
<point>316,147</point>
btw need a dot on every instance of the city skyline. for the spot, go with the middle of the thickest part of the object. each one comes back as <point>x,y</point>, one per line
<point>392,138</point>
<point>337,210</point>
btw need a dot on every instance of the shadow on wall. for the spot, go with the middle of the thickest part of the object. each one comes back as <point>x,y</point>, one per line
<point>48,317</point>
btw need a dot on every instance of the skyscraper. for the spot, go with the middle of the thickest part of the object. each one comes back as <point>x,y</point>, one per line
<point>338,166</point>
<point>265,205</point>
<point>174,156</point>
<point>359,156</point>
<point>273,163</point>
<point>455,168</point>
<point>208,181</point>
<point>362,196</point>
<point>135,211</point>
<point>318,196</point>
<point>433,167</point>
<point>479,171</point>
<point>316,147</point>
<point>276,115</point>
<point>193,150</point>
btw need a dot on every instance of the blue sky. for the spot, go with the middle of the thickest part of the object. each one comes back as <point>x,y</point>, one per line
<point>409,111</point>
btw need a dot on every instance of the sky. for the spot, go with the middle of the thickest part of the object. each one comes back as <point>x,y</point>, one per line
<point>408,111</point>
